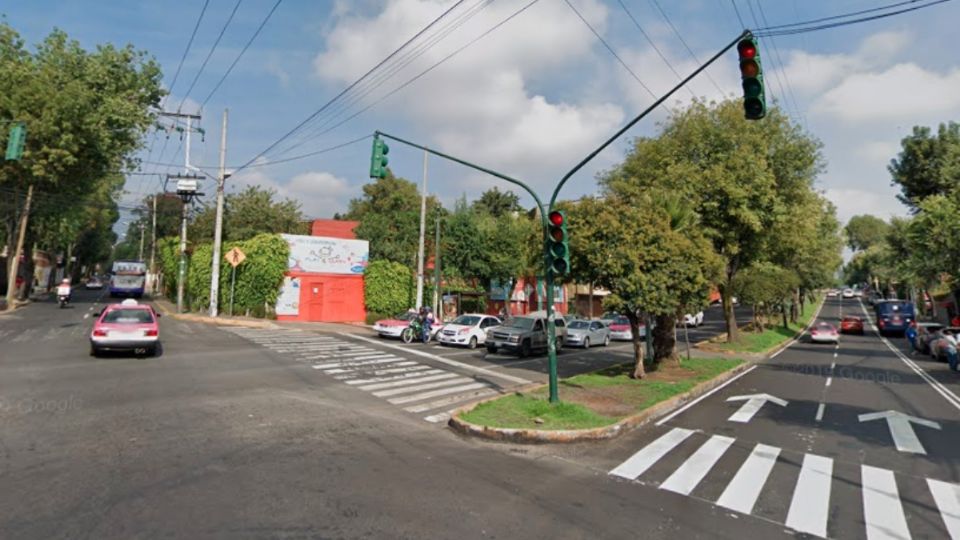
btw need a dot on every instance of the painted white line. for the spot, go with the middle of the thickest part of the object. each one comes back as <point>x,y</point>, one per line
<point>836,354</point>
<point>358,363</point>
<point>447,361</point>
<point>420,387</point>
<point>810,505</point>
<point>833,366</point>
<point>435,418</point>
<point>743,491</point>
<point>638,463</point>
<point>947,497</point>
<point>804,332</point>
<point>86,315</point>
<point>408,381</point>
<point>375,356</point>
<point>675,413</point>
<point>416,370</point>
<point>829,380</point>
<point>820,412</point>
<point>685,478</point>
<point>882,510</point>
<point>436,393</point>
<point>447,401</point>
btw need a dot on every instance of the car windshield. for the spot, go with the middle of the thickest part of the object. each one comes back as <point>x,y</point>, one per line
<point>128,316</point>
<point>467,320</point>
<point>825,326</point>
<point>406,316</point>
<point>621,320</point>
<point>522,323</point>
<point>579,324</point>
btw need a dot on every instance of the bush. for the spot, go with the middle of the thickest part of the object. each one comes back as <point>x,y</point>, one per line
<point>386,287</point>
<point>373,317</point>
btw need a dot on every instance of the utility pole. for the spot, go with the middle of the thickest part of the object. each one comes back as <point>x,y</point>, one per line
<point>423,226</point>
<point>437,293</point>
<point>218,227</point>
<point>153,247</point>
<point>15,265</point>
<point>140,258</point>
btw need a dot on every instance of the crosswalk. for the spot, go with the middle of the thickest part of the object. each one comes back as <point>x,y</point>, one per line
<point>810,507</point>
<point>418,388</point>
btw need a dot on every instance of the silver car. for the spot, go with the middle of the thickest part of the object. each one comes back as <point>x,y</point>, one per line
<point>581,333</point>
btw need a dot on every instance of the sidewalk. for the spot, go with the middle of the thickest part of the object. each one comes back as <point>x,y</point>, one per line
<point>167,308</point>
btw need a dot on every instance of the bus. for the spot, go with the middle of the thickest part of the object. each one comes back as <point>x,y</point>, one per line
<point>894,316</point>
<point>128,278</point>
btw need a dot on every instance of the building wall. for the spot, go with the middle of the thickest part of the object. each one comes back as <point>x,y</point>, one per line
<point>328,298</point>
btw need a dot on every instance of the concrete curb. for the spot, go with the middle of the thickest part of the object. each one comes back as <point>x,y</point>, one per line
<point>772,351</point>
<point>193,317</point>
<point>540,436</point>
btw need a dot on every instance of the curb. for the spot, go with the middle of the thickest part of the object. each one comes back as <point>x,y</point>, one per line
<point>213,320</point>
<point>540,436</point>
<point>772,351</point>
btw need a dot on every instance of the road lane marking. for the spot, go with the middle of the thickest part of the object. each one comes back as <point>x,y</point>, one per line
<point>901,429</point>
<point>408,381</point>
<point>802,333</point>
<point>829,380</point>
<point>447,361</point>
<point>427,386</point>
<point>677,412</point>
<point>947,497</point>
<point>753,404</point>
<point>688,475</point>
<point>639,462</point>
<point>410,369</point>
<point>435,418</point>
<point>436,393</point>
<point>742,492</point>
<point>820,412</point>
<point>424,407</point>
<point>358,363</point>
<point>833,366</point>
<point>882,510</point>
<point>810,505</point>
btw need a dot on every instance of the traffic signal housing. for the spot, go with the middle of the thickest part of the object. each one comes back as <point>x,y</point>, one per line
<point>17,141</point>
<point>378,160</point>
<point>558,244</point>
<point>751,76</point>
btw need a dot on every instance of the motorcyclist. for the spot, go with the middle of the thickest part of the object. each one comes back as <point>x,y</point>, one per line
<point>63,290</point>
<point>426,321</point>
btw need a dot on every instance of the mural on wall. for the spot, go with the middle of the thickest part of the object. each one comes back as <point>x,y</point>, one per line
<point>322,255</point>
<point>288,303</point>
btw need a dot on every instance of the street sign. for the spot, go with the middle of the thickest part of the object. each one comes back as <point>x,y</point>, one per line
<point>235,257</point>
<point>752,405</point>
<point>904,438</point>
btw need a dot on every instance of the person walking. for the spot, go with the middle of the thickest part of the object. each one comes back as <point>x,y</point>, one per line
<point>911,334</point>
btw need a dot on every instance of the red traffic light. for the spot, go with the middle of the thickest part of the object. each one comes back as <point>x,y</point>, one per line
<point>747,49</point>
<point>556,218</point>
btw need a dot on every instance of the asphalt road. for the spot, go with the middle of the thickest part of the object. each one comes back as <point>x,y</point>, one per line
<point>228,434</point>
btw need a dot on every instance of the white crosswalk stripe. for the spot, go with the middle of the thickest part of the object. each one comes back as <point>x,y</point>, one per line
<point>810,508</point>
<point>419,388</point>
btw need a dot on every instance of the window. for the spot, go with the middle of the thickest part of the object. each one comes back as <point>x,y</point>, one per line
<point>128,316</point>
<point>559,323</point>
<point>538,326</point>
<point>595,326</point>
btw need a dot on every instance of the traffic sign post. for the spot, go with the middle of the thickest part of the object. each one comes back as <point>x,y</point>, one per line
<point>235,256</point>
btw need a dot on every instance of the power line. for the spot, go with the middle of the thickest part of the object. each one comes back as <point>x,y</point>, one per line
<point>189,44</point>
<point>684,42</point>
<point>209,54</point>
<point>239,56</point>
<point>654,45</point>
<point>776,75</point>
<point>845,15</point>
<point>737,11</point>
<point>613,52</point>
<point>765,32</point>
<point>783,69</point>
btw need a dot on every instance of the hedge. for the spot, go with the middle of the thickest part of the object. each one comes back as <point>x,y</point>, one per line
<point>386,287</point>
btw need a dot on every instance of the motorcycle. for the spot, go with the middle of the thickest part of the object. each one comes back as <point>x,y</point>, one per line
<point>416,330</point>
<point>63,299</point>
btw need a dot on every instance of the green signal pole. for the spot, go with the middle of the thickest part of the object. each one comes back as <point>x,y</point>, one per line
<point>545,210</point>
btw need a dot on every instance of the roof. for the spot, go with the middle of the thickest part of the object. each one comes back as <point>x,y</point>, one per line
<point>334,228</point>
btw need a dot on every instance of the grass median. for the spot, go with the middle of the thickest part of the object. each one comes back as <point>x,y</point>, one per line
<point>760,342</point>
<point>597,399</point>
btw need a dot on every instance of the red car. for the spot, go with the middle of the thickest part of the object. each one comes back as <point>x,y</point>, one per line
<point>127,326</point>
<point>851,325</point>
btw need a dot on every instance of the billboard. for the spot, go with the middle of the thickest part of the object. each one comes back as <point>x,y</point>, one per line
<point>322,255</point>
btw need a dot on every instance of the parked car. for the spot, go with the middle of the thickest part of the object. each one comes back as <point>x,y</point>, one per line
<point>848,293</point>
<point>894,316</point>
<point>944,342</point>
<point>692,320</point>
<point>608,317</point>
<point>93,283</point>
<point>524,334</point>
<point>926,332</point>
<point>394,327</point>
<point>851,325</point>
<point>620,330</point>
<point>824,332</point>
<point>582,333</point>
<point>127,326</point>
<point>470,330</point>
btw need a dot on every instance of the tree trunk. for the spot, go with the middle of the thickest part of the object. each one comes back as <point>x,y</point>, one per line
<point>797,307</point>
<point>665,339</point>
<point>783,312</point>
<point>638,370</point>
<point>726,297</point>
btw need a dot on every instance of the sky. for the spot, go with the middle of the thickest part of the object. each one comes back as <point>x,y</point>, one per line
<point>528,98</point>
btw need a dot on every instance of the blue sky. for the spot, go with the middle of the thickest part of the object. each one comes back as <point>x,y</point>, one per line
<point>530,99</point>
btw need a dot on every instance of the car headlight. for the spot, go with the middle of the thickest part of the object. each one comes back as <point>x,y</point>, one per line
<point>514,339</point>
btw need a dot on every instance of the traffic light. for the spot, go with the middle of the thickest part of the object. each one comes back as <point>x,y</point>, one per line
<point>378,161</point>
<point>751,75</point>
<point>558,245</point>
<point>16,142</point>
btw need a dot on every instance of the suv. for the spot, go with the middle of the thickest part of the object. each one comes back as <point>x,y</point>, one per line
<point>524,333</point>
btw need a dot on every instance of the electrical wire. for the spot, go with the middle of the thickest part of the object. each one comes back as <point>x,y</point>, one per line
<point>654,45</point>
<point>737,11</point>
<point>609,48</point>
<point>845,15</point>
<point>776,75</point>
<point>763,32</point>
<point>209,54</point>
<point>783,69</point>
<point>186,51</point>
<point>239,56</point>
<point>684,42</point>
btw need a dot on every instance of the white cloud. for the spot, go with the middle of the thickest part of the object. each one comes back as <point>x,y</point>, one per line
<point>852,202</point>
<point>320,194</point>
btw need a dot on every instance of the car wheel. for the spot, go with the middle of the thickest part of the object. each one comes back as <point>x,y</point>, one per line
<point>525,348</point>
<point>473,343</point>
<point>492,349</point>
<point>559,345</point>
<point>586,343</point>
<point>606,340</point>
<point>94,352</point>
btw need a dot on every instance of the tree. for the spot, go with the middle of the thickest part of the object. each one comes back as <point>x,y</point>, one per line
<point>927,164</point>
<point>767,287</point>
<point>248,213</point>
<point>497,203</point>
<point>742,178</point>
<point>864,231</point>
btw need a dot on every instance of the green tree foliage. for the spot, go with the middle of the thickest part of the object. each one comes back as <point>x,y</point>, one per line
<point>741,177</point>
<point>387,288</point>
<point>928,164</point>
<point>248,213</point>
<point>389,216</point>
<point>768,288</point>
<point>497,203</point>
<point>864,231</point>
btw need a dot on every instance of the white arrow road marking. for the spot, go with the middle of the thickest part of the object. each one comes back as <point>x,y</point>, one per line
<point>752,405</point>
<point>902,432</point>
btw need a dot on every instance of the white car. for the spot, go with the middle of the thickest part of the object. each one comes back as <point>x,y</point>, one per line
<point>824,332</point>
<point>848,293</point>
<point>93,283</point>
<point>469,330</point>
<point>692,320</point>
<point>833,293</point>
